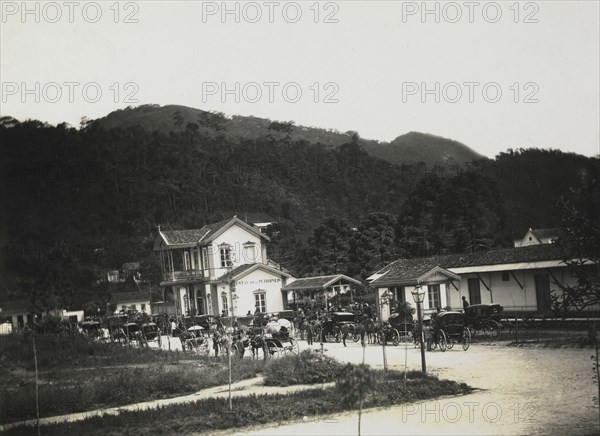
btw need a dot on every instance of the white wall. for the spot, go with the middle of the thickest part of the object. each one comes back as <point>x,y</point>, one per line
<point>263,280</point>
<point>444,292</point>
<point>136,304</point>
<point>508,293</point>
<point>235,236</point>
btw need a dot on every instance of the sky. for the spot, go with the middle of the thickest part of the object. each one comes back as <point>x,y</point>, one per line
<point>493,75</point>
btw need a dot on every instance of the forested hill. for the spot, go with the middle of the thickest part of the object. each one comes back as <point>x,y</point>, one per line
<point>410,148</point>
<point>76,202</point>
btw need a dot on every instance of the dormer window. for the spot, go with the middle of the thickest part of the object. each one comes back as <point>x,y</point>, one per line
<point>225,254</point>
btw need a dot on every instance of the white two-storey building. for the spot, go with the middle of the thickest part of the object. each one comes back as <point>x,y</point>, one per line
<point>220,267</point>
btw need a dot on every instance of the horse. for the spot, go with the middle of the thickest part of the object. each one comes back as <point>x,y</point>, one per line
<point>347,329</point>
<point>257,342</point>
<point>365,327</point>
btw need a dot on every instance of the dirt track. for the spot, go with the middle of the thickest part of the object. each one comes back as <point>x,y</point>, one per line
<point>523,391</point>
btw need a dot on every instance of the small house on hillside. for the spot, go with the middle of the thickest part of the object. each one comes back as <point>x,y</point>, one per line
<point>537,236</point>
<point>19,313</point>
<point>123,301</point>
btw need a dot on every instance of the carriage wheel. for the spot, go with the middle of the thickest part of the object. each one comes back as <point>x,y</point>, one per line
<point>338,335</point>
<point>443,344</point>
<point>466,339</point>
<point>450,343</point>
<point>355,337</point>
<point>491,329</point>
<point>395,337</point>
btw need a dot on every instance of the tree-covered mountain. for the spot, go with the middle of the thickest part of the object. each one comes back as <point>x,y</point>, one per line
<point>410,148</point>
<point>75,202</point>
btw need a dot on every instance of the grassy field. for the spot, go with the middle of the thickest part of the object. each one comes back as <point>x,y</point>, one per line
<point>77,375</point>
<point>209,415</point>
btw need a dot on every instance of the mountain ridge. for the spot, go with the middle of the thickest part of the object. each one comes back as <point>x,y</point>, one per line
<point>409,148</point>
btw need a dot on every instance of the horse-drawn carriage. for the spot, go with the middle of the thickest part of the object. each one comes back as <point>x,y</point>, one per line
<point>194,338</point>
<point>151,333</point>
<point>403,323</point>
<point>335,325</point>
<point>450,328</point>
<point>92,329</point>
<point>276,334</point>
<point>484,318</point>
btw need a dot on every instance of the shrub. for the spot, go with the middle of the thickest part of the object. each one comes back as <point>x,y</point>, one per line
<point>308,367</point>
<point>354,382</point>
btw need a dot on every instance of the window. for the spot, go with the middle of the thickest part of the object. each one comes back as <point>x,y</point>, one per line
<point>260,302</point>
<point>205,259</point>
<point>474,291</point>
<point>225,302</point>
<point>143,307</point>
<point>186,261</point>
<point>225,252</point>
<point>433,296</point>
<point>195,259</point>
<point>505,276</point>
<point>398,295</point>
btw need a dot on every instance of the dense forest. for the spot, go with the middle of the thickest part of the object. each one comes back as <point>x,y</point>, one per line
<point>76,202</point>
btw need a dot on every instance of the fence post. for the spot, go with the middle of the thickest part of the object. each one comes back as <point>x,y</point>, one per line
<point>37,393</point>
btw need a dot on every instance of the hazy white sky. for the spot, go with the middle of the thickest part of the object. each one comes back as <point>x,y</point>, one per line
<point>494,75</point>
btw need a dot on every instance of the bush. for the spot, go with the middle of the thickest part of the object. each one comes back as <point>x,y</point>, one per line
<point>354,383</point>
<point>308,367</point>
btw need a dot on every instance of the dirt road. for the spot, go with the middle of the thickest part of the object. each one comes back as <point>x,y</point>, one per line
<point>522,391</point>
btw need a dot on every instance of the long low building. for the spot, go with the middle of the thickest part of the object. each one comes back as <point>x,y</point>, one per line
<point>522,279</point>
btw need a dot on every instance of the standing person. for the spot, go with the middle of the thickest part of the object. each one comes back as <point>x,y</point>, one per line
<point>465,303</point>
<point>309,332</point>
<point>173,327</point>
<point>215,340</point>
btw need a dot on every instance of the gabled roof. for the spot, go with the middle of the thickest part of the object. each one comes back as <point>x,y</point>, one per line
<point>15,307</point>
<point>319,282</point>
<point>203,236</point>
<point>129,297</point>
<point>408,270</point>
<point>243,270</point>
<point>411,273</point>
<point>131,266</point>
<point>545,233</point>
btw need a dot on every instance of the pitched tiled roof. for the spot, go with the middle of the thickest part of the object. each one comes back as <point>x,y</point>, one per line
<point>545,233</point>
<point>131,266</point>
<point>205,234</point>
<point>236,271</point>
<point>407,270</point>
<point>319,282</point>
<point>129,297</point>
<point>15,307</point>
<point>240,270</point>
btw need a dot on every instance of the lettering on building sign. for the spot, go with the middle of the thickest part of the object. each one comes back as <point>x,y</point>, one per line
<point>256,282</point>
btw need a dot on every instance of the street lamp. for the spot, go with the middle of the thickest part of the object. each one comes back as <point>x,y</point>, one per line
<point>418,295</point>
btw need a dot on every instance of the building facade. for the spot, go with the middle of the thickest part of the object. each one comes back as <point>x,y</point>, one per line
<point>220,268</point>
<point>523,280</point>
